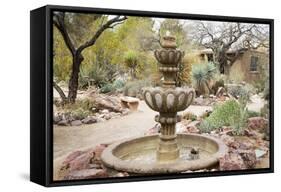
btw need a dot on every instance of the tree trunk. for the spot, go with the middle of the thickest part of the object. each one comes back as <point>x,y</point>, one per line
<point>61,93</point>
<point>73,81</point>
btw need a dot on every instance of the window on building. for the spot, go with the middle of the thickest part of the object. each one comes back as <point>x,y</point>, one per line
<point>254,64</point>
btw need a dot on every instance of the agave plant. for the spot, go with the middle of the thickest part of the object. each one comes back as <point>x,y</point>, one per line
<point>202,75</point>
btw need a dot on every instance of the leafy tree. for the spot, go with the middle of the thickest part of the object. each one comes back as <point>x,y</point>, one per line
<point>91,27</point>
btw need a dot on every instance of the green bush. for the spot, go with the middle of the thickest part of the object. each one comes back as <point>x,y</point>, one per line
<point>134,88</point>
<point>253,113</point>
<point>241,92</point>
<point>112,87</point>
<point>80,113</point>
<point>231,113</point>
<point>202,75</point>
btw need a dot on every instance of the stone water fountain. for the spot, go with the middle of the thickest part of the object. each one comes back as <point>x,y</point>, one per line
<point>166,152</point>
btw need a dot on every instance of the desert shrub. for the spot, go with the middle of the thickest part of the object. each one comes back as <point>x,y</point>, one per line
<point>241,92</point>
<point>134,88</point>
<point>251,113</point>
<point>218,82</point>
<point>80,113</point>
<point>133,62</point>
<point>230,113</point>
<point>112,87</point>
<point>202,75</point>
<point>118,84</point>
<point>189,116</point>
<point>263,81</point>
<point>107,88</point>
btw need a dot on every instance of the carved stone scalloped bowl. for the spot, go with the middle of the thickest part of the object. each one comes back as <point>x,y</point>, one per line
<point>168,56</point>
<point>169,100</point>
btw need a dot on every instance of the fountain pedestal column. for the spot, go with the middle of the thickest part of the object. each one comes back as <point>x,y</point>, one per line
<point>168,149</point>
<point>168,57</point>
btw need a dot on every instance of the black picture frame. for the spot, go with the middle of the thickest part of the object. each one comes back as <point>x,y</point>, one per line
<point>41,92</point>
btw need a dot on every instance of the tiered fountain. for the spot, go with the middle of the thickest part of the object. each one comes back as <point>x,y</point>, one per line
<point>166,152</point>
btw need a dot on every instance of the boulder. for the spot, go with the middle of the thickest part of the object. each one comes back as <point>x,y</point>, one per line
<point>81,162</point>
<point>63,122</point>
<point>258,123</point>
<point>231,161</point>
<point>249,158</point>
<point>57,118</point>
<point>104,111</point>
<point>89,120</point>
<point>76,123</point>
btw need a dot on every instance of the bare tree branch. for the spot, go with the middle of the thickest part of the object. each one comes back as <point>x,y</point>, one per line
<point>58,21</point>
<point>108,24</point>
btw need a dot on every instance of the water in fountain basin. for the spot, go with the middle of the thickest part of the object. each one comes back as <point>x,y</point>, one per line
<point>149,155</point>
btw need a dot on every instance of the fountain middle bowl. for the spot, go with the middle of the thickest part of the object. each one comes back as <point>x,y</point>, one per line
<point>138,155</point>
<point>169,100</point>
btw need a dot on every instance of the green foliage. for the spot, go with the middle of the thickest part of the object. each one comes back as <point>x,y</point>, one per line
<point>107,88</point>
<point>132,62</point>
<point>62,58</point>
<point>230,113</point>
<point>189,116</point>
<point>134,88</point>
<point>202,75</point>
<point>117,85</point>
<point>241,92</point>
<point>219,82</point>
<point>253,113</point>
<point>80,113</point>
<point>262,83</point>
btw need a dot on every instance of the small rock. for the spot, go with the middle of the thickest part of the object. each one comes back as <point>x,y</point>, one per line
<point>99,119</point>
<point>63,122</point>
<point>226,131</point>
<point>57,118</point>
<point>260,153</point>
<point>89,120</point>
<point>125,111</point>
<point>105,111</point>
<point>76,123</point>
<point>192,129</point>
<point>249,158</point>
<point>258,123</point>
<point>107,116</point>
<point>121,174</point>
<point>86,174</point>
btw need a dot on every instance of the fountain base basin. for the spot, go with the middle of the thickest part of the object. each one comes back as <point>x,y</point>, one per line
<point>139,155</point>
